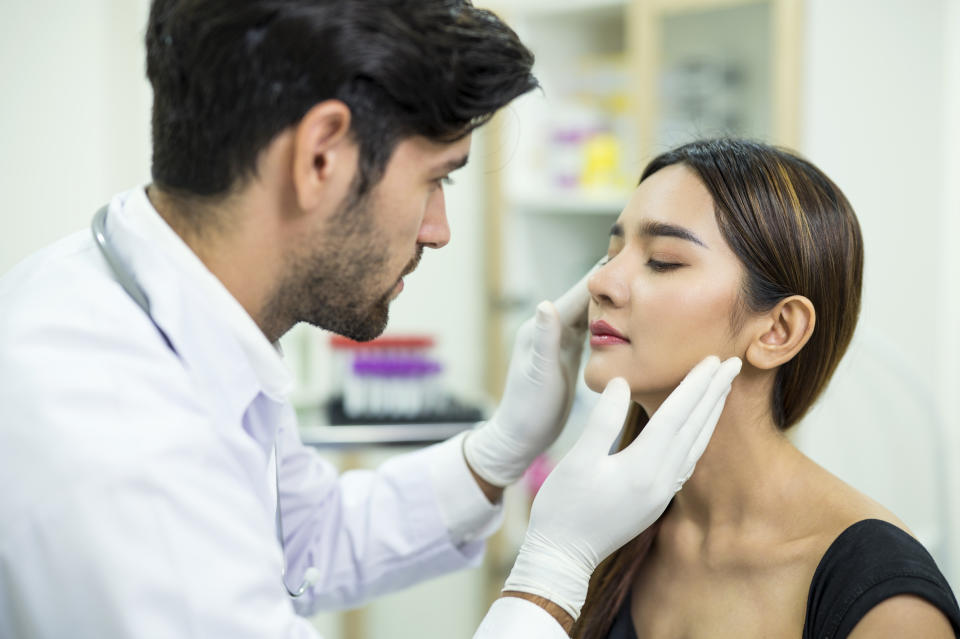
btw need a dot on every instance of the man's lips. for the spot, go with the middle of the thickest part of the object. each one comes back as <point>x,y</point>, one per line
<point>410,268</point>
<point>602,334</point>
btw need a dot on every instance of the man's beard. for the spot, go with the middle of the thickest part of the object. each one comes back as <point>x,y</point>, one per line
<point>332,284</point>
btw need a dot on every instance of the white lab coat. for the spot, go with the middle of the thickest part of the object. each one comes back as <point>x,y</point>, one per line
<point>136,488</point>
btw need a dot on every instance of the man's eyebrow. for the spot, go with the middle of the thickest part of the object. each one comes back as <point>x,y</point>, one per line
<point>453,165</point>
<point>660,229</point>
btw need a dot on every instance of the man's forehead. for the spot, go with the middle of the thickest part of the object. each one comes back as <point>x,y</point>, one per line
<point>439,156</point>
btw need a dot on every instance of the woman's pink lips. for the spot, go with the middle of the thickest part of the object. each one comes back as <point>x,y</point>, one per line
<point>602,334</point>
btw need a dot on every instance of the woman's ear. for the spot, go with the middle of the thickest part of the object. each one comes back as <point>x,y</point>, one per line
<point>322,161</point>
<point>783,331</point>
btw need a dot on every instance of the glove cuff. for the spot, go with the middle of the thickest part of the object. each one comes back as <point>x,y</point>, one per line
<point>546,572</point>
<point>491,457</point>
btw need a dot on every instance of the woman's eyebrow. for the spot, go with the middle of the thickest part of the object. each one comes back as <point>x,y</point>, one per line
<point>651,228</point>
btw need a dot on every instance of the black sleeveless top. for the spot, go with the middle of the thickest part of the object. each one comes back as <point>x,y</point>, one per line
<point>869,562</point>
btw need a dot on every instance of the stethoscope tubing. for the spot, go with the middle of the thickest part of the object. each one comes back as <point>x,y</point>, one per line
<point>129,283</point>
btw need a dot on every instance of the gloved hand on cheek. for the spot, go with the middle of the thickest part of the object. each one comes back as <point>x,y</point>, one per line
<point>538,393</point>
<point>579,516</point>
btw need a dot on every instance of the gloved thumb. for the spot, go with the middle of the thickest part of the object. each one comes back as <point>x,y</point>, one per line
<point>546,337</point>
<point>606,420</point>
<point>572,305</point>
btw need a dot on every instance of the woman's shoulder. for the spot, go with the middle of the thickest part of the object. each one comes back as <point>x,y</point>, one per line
<point>867,556</point>
<point>843,505</point>
<point>870,562</point>
<point>831,507</point>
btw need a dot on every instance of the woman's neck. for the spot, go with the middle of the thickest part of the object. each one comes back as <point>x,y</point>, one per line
<point>743,482</point>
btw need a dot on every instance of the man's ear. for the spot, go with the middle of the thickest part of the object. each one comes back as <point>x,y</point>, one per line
<point>324,155</point>
<point>782,332</point>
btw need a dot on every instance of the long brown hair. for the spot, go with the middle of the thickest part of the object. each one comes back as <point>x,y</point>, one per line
<point>795,234</point>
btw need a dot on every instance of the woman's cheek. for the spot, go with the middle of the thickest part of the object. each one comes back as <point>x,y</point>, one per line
<point>687,329</point>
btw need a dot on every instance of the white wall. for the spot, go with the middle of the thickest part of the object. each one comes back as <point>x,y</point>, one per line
<point>74,116</point>
<point>880,117</point>
<point>873,112</point>
<point>949,330</point>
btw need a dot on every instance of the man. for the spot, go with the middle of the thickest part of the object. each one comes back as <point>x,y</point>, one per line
<point>154,481</point>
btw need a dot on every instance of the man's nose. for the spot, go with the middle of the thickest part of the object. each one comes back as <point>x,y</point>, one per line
<point>435,231</point>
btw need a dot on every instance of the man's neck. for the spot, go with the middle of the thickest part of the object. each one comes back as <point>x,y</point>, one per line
<point>233,244</point>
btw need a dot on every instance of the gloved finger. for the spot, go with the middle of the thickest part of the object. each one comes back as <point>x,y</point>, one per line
<point>605,421</point>
<point>687,435</point>
<point>683,454</point>
<point>546,341</point>
<point>572,305</point>
<point>703,439</point>
<point>729,370</point>
<point>673,413</point>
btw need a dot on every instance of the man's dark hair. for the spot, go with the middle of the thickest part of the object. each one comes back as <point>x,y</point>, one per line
<point>229,75</point>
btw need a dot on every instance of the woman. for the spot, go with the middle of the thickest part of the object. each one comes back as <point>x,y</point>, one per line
<point>735,248</point>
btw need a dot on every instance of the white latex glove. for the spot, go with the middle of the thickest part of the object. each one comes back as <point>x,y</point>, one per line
<point>538,393</point>
<point>594,502</point>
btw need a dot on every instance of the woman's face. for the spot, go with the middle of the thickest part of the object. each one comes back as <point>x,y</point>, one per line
<point>670,289</point>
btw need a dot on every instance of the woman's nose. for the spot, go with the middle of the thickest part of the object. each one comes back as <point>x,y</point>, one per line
<point>607,284</point>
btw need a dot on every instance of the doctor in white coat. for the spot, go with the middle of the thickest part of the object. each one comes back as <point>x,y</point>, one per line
<point>154,484</point>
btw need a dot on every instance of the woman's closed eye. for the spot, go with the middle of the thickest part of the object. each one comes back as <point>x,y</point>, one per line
<point>662,267</point>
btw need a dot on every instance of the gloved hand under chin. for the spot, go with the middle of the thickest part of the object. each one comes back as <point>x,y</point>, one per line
<point>538,393</point>
<point>594,502</point>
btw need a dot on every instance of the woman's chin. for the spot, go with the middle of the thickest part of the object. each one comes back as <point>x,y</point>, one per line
<point>593,382</point>
<point>597,377</point>
<point>647,393</point>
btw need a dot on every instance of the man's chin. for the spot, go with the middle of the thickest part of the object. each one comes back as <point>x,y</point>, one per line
<point>372,325</point>
<point>360,327</point>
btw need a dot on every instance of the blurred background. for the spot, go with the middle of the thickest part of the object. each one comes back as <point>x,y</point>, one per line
<point>867,89</point>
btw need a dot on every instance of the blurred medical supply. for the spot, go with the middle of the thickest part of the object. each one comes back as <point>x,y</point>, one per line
<point>705,96</point>
<point>395,378</point>
<point>587,130</point>
<point>392,387</point>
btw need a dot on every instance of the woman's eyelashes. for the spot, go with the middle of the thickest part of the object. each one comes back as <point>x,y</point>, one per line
<point>658,266</point>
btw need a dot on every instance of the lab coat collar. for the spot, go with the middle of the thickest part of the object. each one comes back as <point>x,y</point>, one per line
<point>197,312</point>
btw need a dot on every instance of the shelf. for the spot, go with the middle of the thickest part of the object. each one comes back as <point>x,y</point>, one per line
<point>380,435</point>
<point>535,8</point>
<point>573,202</point>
